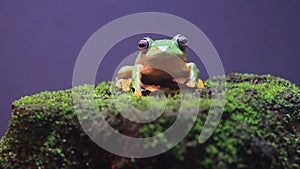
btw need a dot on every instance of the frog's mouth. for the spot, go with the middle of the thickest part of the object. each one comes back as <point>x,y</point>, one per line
<point>159,56</point>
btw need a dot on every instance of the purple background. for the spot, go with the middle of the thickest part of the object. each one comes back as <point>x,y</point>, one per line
<point>40,40</point>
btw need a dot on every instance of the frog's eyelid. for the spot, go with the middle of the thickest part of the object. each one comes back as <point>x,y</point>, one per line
<point>147,38</point>
<point>176,37</point>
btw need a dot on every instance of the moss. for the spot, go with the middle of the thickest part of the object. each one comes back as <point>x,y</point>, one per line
<point>259,127</point>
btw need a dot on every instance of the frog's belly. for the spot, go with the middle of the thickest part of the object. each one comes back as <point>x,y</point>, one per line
<point>159,77</point>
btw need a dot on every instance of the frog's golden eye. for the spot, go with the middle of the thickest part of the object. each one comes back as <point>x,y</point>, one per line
<point>182,42</point>
<point>143,44</point>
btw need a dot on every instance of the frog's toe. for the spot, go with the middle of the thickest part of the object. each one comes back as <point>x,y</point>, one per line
<point>125,88</point>
<point>125,84</point>
<point>191,84</point>
<point>137,93</point>
<point>118,84</point>
<point>200,84</point>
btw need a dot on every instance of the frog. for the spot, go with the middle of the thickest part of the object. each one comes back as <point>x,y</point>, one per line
<point>159,64</point>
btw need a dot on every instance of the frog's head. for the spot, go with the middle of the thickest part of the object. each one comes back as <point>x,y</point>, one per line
<point>156,50</point>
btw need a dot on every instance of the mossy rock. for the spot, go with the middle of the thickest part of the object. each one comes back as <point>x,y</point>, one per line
<point>260,128</point>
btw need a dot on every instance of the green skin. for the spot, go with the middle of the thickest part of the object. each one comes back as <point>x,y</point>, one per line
<point>152,64</point>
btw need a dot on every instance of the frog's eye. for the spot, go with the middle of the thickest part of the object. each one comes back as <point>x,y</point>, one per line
<point>182,42</point>
<point>143,44</point>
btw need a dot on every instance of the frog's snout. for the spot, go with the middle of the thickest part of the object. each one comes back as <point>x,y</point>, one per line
<point>163,48</point>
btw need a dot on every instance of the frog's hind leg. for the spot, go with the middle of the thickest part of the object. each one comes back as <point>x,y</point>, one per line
<point>123,79</point>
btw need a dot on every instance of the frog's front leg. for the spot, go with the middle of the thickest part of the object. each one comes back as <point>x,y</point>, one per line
<point>123,78</point>
<point>136,80</point>
<point>193,77</point>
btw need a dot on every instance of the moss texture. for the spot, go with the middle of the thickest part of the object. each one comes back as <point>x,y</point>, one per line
<point>260,128</point>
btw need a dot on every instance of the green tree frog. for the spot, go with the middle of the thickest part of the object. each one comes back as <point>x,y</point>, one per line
<point>160,63</point>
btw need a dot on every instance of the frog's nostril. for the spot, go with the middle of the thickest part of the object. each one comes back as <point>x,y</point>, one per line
<point>163,48</point>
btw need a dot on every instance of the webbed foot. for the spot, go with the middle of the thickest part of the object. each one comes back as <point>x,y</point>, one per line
<point>124,84</point>
<point>137,93</point>
<point>192,84</point>
<point>200,84</point>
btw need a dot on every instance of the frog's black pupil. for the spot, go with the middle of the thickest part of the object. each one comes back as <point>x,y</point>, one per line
<point>142,45</point>
<point>182,41</point>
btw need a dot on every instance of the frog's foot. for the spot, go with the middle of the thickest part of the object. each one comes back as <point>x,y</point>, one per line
<point>191,84</point>
<point>137,93</point>
<point>124,84</point>
<point>200,84</point>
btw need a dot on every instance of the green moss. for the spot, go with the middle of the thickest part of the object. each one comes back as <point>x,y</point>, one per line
<point>257,130</point>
